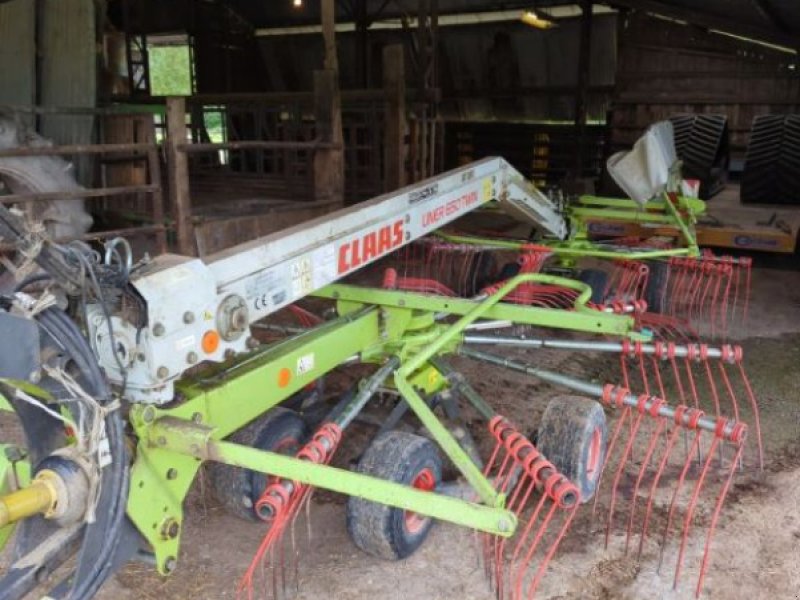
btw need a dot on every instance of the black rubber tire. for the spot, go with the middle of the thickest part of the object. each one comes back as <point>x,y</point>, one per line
<point>381,530</point>
<point>238,489</point>
<point>566,437</point>
<point>656,284</point>
<point>597,280</point>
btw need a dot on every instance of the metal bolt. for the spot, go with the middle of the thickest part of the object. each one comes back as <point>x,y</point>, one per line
<point>170,529</point>
<point>158,330</point>
<point>162,372</point>
<point>239,319</point>
<point>503,525</point>
<point>141,357</point>
<point>149,414</point>
<point>172,474</point>
<point>197,418</point>
<point>191,358</point>
<point>252,343</point>
<point>401,302</point>
<point>170,564</point>
<point>188,317</point>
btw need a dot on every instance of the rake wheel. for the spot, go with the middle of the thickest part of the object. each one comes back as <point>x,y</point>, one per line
<point>573,435</point>
<point>380,530</point>
<point>280,430</point>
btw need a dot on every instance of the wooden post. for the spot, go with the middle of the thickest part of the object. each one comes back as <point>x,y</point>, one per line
<point>328,10</point>
<point>582,88</point>
<point>328,162</point>
<point>394,86</point>
<point>178,173</point>
<point>157,198</point>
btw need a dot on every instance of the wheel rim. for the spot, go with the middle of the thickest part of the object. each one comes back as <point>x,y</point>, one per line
<point>594,455</point>
<point>426,482</point>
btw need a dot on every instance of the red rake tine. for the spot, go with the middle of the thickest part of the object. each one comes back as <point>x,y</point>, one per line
<point>621,467</point>
<point>280,503</point>
<point>673,437</point>
<point>532,472</point>
<point>714,519</point>
<point>651,447</point>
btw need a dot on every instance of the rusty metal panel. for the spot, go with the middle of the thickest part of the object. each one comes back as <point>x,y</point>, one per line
<point>17,52</point>
<point>68,70</point>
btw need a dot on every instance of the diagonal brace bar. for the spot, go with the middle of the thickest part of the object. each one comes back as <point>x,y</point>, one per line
<point>187,438</point>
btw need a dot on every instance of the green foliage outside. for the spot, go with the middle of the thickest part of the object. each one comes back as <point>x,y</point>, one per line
<point>170,75</point>
<point>170,71</point>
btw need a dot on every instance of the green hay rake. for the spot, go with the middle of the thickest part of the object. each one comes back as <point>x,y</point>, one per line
<point>124,379</point>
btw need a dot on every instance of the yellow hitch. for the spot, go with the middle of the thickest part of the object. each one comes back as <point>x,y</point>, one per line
<point>40,497</point>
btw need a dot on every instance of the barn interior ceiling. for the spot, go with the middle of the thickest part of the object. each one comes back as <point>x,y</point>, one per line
<point>777,21</point>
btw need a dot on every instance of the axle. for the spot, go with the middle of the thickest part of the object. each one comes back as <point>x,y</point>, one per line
<point>38,498</point>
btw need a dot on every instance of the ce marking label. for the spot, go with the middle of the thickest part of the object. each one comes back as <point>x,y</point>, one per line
<point>261,302</point>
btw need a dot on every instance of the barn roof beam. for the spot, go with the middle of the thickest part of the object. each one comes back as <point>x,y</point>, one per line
<point>712,21</point>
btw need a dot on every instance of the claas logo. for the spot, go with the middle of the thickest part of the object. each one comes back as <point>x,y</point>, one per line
<point>369,246</point>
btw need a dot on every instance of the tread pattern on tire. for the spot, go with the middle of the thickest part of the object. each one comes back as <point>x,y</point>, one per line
<point>232,484</point>
<point>395,456</point>
<point>702,143</point>
<point>772,161</point>
<point>562,437</point>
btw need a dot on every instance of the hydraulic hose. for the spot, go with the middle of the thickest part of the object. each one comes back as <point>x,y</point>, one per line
<point>98,543</point>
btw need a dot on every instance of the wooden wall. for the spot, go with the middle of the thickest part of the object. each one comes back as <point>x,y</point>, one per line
<point>666,68</point>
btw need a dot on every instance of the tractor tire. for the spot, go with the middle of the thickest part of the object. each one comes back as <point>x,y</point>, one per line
<point>573,436</point>
<point>384,531</point>
<point>279,430</point>
<point>654,291</point>
<point>597,280</point>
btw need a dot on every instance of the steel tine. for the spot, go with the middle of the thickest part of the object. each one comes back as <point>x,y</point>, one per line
<point>549,555</point>
<point>610,449</point>
<point>621,467</point>
<point>754,407</point>
<point>715,517</point>
<point>673,437</point>
<point>528,556</point>
<point>654,438</point>
<point>687,463</point>
<point>691,508</point>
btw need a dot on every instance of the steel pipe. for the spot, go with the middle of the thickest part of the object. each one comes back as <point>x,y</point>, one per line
<point>680,351</point>
<point>597,391</point>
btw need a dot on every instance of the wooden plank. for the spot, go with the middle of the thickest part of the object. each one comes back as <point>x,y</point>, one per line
<point>178,175</point>
<point>256,145</point>
<point>80,193</point>
<point>74,149</point>
<point>328,163</point>
<point>394,173</point>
